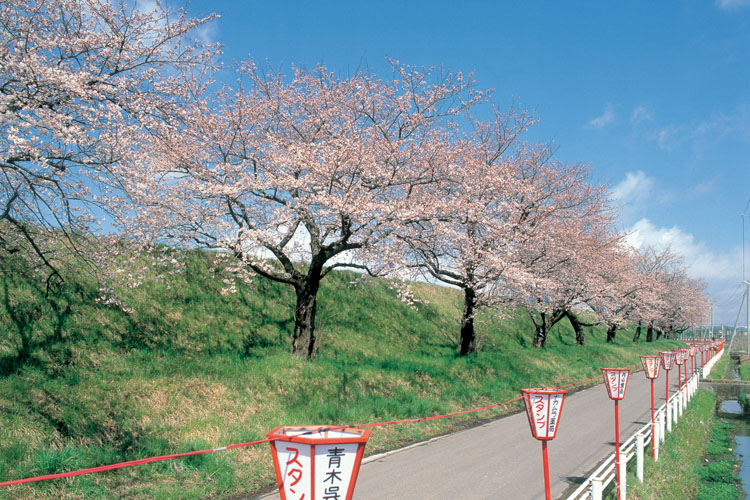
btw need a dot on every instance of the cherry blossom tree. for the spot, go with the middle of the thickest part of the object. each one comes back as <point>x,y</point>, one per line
<point>682,303</point>
<point>619,287</point>
<point>486,208</point>
<point>565,250</point>
<point>602,286</point>
<point>77,79</point>
<point>294,177</point>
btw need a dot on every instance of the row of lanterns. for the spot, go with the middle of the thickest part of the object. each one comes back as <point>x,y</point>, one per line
<point>539,401</point>
<point>322,463</point>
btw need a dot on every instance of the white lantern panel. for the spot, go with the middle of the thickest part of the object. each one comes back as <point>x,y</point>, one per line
<point>295,467</point>
<point>334,467</point>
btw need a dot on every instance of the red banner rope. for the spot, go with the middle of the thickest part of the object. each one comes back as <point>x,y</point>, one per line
<point>161,458</point>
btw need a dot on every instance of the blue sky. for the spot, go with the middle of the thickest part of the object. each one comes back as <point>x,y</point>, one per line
<point>654,96</point>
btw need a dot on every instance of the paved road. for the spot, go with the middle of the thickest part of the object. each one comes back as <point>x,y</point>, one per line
<point>500,460</point>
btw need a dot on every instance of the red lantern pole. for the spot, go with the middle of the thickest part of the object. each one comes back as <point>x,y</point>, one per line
<point>616,380</point>
<point>653,447</point>
<point>617,447</point>
<point>651,365</point>
<point>692,360</point>
<point>679,358</point>
<point>545,462</point>
<point>667,360</point>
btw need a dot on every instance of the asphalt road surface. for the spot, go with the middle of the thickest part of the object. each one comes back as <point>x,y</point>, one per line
<point>500,460</point>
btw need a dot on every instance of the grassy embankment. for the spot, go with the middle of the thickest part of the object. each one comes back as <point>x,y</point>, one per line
<point>720,369</point>
<point>192,369</point>
<point>695,462</point>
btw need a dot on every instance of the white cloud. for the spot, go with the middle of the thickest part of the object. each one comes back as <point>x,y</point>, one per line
<point>713,129</point>
<point>702,188</point>
<point>701,261</point>
<point>208,33</point>
<point>636,186</point>
<point>604,119</point>
<point>641,113</point>
<point>732,4</point>
<point>720,271</point>
<point>637,194</point>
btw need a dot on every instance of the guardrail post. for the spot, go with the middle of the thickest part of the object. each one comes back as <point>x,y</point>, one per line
<point>668,411</point>
<point>623,478</point>
<point>684,399</point>
<point>639,455</point>
<point>675,412</point>
<point>663,426</point>
<point>657,437</point>
<point>597,488</point>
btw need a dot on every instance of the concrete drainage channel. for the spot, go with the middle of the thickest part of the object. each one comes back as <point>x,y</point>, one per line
<point>731,411</point>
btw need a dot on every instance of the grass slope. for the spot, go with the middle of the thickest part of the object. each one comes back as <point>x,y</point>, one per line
<point>696,461</point>
<point>85,384</point>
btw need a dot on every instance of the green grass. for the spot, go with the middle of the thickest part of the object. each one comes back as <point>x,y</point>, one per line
<point>720,369</point>
<point>695,462</point>
<point>191,368</point>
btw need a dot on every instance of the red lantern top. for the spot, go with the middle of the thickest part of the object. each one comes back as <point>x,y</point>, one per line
<point>667,359</point>
<point>651,366</point>
<point>693,349</point>
<point>543,408</point>
<point>616,381</point>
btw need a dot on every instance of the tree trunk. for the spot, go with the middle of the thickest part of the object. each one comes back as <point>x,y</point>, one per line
<point>544,326</point>
<point>304,342</point>
<point>637,335</point>
<point>611,332</point>
<point>577,328</point>
<point>540,335</point>
<point>650,333</point>
<point>468,335</point>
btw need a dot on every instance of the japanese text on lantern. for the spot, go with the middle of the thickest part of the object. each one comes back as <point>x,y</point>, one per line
<point>555,403</point>
<point>539,406</point>
<point>613,379</point>
<point>296,470</point>
<point>623,383</point>
<point>332,481</point>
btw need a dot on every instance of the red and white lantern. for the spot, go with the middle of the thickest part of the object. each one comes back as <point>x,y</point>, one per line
<point>317,462</point>
<point>651,366</point>
<point>616,381</point>
<point>679,357</point>
<point>544,408</point>
<point>667,361</point>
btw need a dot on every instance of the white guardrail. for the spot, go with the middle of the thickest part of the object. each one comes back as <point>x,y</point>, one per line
<point>664,418</point>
